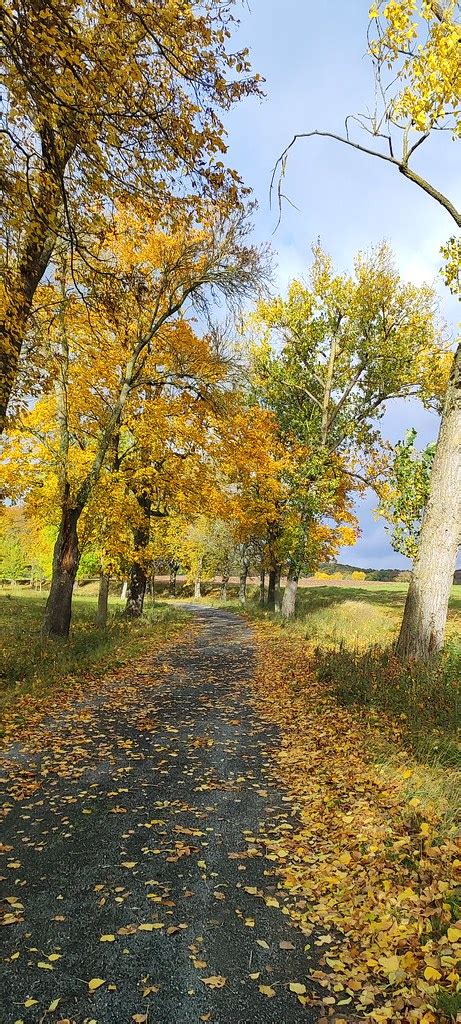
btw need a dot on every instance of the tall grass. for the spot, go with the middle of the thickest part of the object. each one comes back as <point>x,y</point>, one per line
<point>423,697</point>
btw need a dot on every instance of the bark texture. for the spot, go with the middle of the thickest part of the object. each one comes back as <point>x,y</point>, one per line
<point>66,557</point>
<point>136,591</point>
<point>423,626</point>
<point>262,587</point>
<point>271,588</point>
<point>243,584</point>
<point>291,590</point>
<point>103,600</point>
<point>138,577</point>
<point>224,586</point>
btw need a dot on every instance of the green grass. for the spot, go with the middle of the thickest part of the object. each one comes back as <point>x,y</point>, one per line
<point>358,615</point>
<point>29,664</point>
<point>425,699</point>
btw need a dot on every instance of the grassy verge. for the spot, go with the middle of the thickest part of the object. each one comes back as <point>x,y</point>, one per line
<point>425,700</point>
<point>31,665</point>
<point>371,859</point>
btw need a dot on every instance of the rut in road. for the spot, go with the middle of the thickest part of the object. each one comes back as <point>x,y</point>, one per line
<point>141,821</point>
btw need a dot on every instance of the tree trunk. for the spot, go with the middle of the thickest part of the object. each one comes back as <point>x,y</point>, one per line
<point>138,577</point>
<point>124,590</point>
<point>136,591</point>
<point>173,574</point>
<point>66,557</point>
<point>278,573</point>
<point>198,587</point>
<point>103,600</point>
<point>243,584</point>
<point>224,585</point>
<point>272,588</point>
<point>262,586</point>
<point>291,590</point>
<point>424,619</point>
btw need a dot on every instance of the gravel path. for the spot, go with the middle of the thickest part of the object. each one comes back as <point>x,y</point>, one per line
<point>146,834</point>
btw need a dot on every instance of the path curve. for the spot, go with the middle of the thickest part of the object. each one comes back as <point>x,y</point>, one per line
<point>150,823</point>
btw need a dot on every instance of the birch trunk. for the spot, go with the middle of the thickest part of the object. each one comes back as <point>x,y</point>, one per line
<point>424,620</point>
<point>103,600</point>
<point>291,590</point>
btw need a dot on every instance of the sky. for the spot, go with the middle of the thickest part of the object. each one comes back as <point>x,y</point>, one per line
<point>313,58</point>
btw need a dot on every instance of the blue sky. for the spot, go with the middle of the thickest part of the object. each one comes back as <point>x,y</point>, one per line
<point>313,57</point>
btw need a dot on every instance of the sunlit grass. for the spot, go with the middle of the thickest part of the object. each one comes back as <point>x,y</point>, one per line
<point>29,664</point>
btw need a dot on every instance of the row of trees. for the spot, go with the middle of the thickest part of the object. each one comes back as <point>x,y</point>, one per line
<point>137,427</point>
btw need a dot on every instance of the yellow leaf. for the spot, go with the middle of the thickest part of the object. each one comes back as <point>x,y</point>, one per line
<point>298,988</point>
<point>262,943</point>
<point>431,974</point>
<point>44,966</point>
<point>390,964</point>
<point>454,934</point>
<point>31,1002</point>
<point>54,956</point>
<point>54,1005</point>
<point>266,990</point>
<point>215,981</point>
<point>129,863</point>
<point>107,938</point>
<point>95,983</point>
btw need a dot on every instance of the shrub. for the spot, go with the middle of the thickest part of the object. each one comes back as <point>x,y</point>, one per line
<point>358,575</point>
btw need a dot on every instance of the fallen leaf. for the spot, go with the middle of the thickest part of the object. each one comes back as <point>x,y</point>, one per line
<point>297,987</point>
<point>214,981</point>
<point>266,990</point>
<point>95,983</point>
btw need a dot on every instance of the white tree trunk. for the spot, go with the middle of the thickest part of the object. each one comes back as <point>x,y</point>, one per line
<point>426,607</point>
<point>289,596</point>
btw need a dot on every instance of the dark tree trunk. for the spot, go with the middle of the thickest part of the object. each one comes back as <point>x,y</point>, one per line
<point>423,626</point>
<point>136,591</point>
<point>277,603</point>
<point>262,586</point>
<point>138,577</point>
<point>103,600</point>
<point>291,589</point>
<point>272,585</point>
<point>66,557</point>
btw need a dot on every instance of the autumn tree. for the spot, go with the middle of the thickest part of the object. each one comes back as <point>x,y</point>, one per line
<point>331,355</point>
<point>415,46</point>
<point>106,102</point>
<point>103,354</point>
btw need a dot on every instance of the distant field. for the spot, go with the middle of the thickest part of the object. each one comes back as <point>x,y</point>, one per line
<point>357,613</point>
